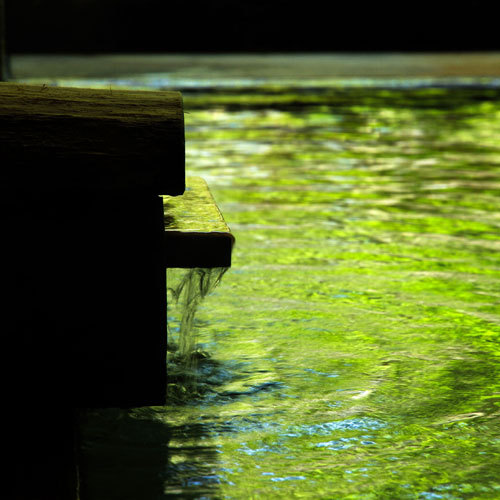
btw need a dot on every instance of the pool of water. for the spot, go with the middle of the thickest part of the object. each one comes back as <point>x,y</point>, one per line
<point>353,348</point>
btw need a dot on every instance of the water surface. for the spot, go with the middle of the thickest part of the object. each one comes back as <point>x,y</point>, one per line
<point>353,348</point>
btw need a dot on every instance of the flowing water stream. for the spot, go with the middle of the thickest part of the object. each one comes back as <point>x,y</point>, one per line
<point>187,289</point>
<point>353,349</point>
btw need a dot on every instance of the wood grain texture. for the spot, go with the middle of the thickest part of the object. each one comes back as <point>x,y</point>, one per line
<point>54,138</point>
<point>196,234</point>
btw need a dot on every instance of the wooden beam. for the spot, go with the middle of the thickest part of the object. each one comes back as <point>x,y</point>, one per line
<point>55,138</point>
<point>196,234</point>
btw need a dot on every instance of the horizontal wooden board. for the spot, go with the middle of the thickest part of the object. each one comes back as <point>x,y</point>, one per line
<point>196,234</point>
<point>54,138</point>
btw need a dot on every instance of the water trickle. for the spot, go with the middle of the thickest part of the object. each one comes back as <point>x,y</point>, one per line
<point>186,289</point>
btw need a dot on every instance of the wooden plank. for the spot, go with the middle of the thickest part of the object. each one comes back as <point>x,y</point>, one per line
<point>196,234</point>
<point>84,312</point>
<point>54,138</point>
<point>83,322</point>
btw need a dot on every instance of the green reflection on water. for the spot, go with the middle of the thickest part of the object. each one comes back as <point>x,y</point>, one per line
<point>355,341</point>
<point>365,286</point>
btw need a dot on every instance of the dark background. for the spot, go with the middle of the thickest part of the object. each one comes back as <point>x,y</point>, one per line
<point>89,26</point>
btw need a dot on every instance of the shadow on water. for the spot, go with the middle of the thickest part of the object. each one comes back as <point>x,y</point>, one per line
<point>133,454</point>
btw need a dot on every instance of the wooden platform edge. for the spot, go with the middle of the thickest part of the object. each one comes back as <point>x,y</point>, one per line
<point>196,234</point>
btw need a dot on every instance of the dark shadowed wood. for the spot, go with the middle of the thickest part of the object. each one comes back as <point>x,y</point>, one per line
<point>83,324</point>
<point>83,315</point>
<point>55,138</point>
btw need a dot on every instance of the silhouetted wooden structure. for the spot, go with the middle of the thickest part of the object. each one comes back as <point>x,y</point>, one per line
<point>84,309</point>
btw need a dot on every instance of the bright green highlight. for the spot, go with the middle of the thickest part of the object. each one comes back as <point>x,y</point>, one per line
<point>355,343</point>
